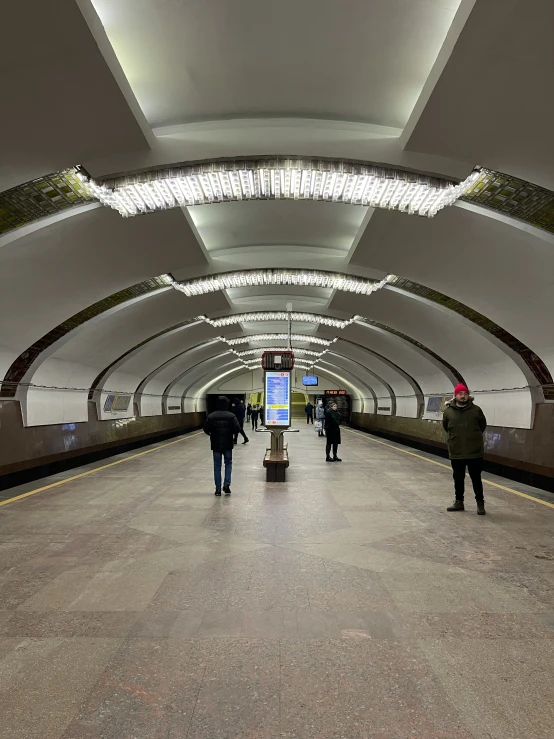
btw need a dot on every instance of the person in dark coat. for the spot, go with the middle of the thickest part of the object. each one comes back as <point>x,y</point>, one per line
<point>333,420</point>
<point>465,422</point>
<point>309,411</point>
<point>254,414</point>
<point>221,426</point>
<point>261,414</point>
<point>239,410</point>
<point>248,411</point>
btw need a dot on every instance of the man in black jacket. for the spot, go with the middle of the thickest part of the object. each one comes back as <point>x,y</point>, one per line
<point>222,426</point>
<point>237,407</point>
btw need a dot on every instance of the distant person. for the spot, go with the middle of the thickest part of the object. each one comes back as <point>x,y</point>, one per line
<point>221,426</point>
<point>237,407</point>
<point>465,422</point>
<point>333,420</point>
<point>261,414</point>
<point>309,411</point>
<point>254,415</point>
<point>248,411</point>
<point>320,416</point>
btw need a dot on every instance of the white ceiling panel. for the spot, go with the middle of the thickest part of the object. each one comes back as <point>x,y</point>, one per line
<point>227,226</point>
<point>364,60</point>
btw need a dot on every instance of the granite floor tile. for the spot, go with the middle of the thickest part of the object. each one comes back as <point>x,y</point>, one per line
<point>489,671</point>
<point>149,689</point>
<point>35,624</point>
<point>54,675</point>
<point>263,625</point>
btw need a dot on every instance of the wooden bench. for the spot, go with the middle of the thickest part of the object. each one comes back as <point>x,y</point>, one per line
<point>275,464</point>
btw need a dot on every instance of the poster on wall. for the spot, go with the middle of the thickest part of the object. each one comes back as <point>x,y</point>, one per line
<point>277,398</point>
<point>435,406</point>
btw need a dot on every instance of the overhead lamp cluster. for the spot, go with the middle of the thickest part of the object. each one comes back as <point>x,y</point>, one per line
<point>279,316</point>
<point>309,339</point>
<point>285,277</point>
<point>261,350</point>
<point>254,363</point>
<point>269,178</point>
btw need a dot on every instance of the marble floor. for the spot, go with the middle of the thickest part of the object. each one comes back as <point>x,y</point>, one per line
<point>345,603</point>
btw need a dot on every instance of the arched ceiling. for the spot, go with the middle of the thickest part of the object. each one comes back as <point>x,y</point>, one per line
<point>269,170</point>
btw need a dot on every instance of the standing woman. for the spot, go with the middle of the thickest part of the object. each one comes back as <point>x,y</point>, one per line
<point>332,431</point>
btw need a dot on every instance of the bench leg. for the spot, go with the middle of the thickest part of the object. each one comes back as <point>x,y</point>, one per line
<point>275,473</point>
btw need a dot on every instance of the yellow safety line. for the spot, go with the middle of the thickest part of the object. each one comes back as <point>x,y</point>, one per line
<point>98,469</point>
<point>446,467</point>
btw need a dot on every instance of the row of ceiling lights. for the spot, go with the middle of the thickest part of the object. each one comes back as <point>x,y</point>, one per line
<point>338,181</point>
<point>284,277</point>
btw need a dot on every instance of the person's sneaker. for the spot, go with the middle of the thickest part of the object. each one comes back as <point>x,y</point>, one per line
<point>337,459</point>
<point>217,491</point>
<point>328,459</point>
<point>458,505</point>
<point>481,508</point>
<point>227,490</point>
<point>246,440</point>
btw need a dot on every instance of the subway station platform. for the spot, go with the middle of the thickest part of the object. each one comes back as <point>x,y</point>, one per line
<point>344,603</point>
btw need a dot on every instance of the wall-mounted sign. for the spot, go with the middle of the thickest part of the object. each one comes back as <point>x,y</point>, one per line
<point>115,402</point>
<point>277,399</point>
<point>335,392</point>
<point>309,380</point>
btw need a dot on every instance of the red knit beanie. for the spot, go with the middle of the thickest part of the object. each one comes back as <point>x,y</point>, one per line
<point>460,388</point>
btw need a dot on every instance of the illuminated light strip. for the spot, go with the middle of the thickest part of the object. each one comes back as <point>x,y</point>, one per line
<point>260,350</point>
<point>288,277</point>
<point>279,316</point>
<point>278,337</point>
<point>265,178</point>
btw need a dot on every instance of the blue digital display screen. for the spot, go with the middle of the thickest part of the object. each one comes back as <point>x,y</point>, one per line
<point>309,380</point>
<point>277,398</point>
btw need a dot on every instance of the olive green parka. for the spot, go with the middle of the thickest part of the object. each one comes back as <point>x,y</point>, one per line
<point>465,426</point>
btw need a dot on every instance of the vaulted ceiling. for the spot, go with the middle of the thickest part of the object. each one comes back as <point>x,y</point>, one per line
<point>176,105</point>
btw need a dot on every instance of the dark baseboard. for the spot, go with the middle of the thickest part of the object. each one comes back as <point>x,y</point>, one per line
<point>30,474</point>
<point>510,472</point>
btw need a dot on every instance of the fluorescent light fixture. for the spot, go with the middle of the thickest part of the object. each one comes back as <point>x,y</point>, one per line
<point>279,316</point>
<point>270,178</point>
<point>277,337</point>
<point>288,277</point>
<point>260,350</point>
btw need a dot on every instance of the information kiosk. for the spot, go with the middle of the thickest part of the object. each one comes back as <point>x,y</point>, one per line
<point>277,368</point>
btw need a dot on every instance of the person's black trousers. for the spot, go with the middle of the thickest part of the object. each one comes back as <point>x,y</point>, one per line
<point>328,449</point>
<point>241,424</point>
<point>474,467</point>
<point>254,423</point>
<point>309,418</point>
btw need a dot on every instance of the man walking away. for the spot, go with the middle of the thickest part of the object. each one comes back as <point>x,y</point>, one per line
<point>332,429</point>
<point>240,411</point>
<point>320,416</point>
<point>248,411</point>
<point>221,426</point>
<point>254,416</point>
<point>465,422</point>
<point>309,411</point>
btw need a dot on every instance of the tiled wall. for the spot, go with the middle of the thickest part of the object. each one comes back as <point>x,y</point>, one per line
<point>23,448</point>
<point>531,450</point>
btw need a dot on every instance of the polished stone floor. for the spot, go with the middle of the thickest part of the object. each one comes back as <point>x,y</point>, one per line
<point>343,604</point>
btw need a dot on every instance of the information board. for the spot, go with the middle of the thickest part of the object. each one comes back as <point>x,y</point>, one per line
<point>277,399</point>
<point>309,380</point>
